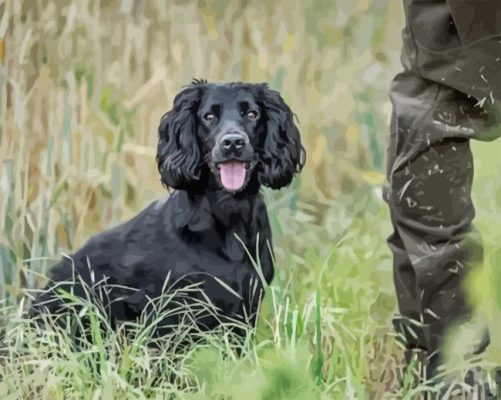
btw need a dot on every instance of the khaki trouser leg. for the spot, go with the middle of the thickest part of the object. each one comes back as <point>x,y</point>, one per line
<point>430,173</point>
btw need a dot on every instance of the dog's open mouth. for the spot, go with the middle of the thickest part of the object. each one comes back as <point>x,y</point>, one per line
<point>233,174</point>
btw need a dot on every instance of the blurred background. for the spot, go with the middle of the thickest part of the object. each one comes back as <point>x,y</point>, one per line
<point>83,85</point>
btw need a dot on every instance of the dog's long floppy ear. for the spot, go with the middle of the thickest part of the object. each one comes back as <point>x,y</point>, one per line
<point>178,151</point>
<point>283,155</point>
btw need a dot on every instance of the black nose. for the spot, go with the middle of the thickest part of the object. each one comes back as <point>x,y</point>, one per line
<point>232,141</point>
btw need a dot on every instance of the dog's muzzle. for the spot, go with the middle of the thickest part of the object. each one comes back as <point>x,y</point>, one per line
<point>233,155</point>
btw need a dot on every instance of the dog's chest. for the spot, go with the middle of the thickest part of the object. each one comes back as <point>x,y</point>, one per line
<point>189,263</point>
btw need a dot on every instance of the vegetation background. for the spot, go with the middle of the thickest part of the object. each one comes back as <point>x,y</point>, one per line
<point>83,85</point>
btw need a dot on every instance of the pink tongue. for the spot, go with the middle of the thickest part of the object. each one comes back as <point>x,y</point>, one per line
<point>232,174</point>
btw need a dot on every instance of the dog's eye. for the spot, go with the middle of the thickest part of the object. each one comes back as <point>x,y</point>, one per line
<point>252,115</point>
<point>209,117</point>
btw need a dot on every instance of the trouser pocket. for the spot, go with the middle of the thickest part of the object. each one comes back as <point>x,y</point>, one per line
<point>475,20</point>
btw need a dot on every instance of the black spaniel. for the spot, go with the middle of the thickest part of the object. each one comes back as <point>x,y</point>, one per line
<point>216,147</point>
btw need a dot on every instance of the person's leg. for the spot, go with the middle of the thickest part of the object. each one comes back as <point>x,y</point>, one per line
<point>430,171</point>
<point>430,165</point>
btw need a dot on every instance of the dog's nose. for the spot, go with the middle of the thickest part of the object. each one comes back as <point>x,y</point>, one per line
<point>232,141</point>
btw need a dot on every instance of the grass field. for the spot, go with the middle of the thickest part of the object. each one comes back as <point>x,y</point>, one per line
<point>82,88</point>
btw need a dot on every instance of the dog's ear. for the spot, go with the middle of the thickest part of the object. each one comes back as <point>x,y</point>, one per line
<point>178,151</point>
<point>283,155</point>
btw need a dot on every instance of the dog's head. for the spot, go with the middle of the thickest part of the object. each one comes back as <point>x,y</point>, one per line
<point>233,135</point>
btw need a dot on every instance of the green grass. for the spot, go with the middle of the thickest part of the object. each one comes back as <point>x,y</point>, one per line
<point>82,88</point>
<point>324,332</point>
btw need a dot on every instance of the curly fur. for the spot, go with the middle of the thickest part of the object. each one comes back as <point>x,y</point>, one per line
<point>195,235</point>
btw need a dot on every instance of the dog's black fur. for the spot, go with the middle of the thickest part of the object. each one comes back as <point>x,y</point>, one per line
<point>191,236</point>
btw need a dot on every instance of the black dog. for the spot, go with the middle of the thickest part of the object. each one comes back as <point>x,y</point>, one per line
<point>216,147</point>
